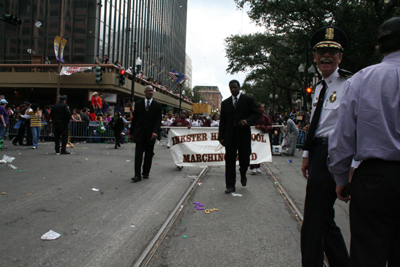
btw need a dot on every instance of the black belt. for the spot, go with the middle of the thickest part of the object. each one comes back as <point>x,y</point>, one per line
<point>380,161</point>
<point>321,140</point>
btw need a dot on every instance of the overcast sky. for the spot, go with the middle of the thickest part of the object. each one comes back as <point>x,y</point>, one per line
<point>209,23</point>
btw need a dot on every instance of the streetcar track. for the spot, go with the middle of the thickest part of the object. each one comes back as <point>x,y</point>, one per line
<point>296,211</point>
<point>152,247</point>
<point>145,258</point>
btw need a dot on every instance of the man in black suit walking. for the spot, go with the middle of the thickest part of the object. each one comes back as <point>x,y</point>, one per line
<point>144,130</point>
<point>238,112</point>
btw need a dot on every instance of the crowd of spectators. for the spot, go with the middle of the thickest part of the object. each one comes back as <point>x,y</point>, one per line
<point>142,78</point>
<point>101,113</point>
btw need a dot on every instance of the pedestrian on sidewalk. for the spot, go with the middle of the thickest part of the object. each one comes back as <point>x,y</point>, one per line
<point>293,133</point>
<point>368,128</point>
<point>319,232</point>
<point>238,112</point>
<point>265,125</point>
<point>144,130</point>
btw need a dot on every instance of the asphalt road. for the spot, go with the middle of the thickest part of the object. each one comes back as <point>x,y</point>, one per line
<point>106,228</point>
<point>111,227</point>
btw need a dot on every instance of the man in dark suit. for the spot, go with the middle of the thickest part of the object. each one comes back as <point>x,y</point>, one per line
<point>60,116</point>
<point>238,112</point>
<point>144,130</point>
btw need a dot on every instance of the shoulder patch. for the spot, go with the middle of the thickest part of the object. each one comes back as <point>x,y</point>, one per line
<point>345,73</point>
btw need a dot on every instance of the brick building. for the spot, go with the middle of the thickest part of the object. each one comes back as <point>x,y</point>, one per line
<point>212,96</point>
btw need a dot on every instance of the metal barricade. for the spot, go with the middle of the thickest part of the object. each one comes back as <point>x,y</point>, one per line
<point>78,131</point>
<point>92,132</point>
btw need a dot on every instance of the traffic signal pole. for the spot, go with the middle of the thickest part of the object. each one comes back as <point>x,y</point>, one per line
<point>305,78</point>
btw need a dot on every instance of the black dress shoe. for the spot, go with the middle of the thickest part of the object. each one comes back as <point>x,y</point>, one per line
<point>65,152</point>
<point>145,176</point>
<point>243,180</point>
<point>136,179</point>
<point>229,190</point>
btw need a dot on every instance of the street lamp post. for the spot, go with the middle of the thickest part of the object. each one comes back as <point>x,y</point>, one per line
<point>302,70</point>
<point>138,64</point>
<point>135,70</point>
<point>181,94</point>
<point>273,97</point>
<point>133,73</point>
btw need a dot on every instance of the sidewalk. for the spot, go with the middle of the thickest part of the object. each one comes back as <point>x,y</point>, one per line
<point>289,174</point>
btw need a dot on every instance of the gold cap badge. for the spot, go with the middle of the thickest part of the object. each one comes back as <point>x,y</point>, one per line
<point>330,33</point>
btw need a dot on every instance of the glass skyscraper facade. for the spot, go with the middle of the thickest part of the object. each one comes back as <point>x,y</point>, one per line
<point>91,27</point>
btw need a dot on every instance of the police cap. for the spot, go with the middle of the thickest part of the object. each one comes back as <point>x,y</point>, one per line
<point>329,37</point>
<point>389,29</point>
<point>63,97</point>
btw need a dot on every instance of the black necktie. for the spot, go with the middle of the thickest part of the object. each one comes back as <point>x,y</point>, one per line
<point>315,119</point>
<point>147,104</point>
<point>235,102</point>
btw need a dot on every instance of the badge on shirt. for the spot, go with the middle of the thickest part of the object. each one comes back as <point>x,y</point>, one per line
<point>332,98</point>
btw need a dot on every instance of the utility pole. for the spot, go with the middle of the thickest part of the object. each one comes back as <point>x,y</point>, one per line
<point>59,49</point>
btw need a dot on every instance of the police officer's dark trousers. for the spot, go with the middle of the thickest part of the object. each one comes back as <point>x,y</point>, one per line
<point>319,232</point>
<point>60,129</point>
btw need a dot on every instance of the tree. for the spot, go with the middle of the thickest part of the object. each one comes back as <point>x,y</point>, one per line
<point>196,95</point>
<point>272,58</point>
<point>272,64</point>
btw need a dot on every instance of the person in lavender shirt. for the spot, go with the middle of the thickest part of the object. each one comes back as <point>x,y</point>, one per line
<point>368,129</point>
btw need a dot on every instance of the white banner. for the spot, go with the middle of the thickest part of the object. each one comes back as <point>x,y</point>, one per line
<point>199,146</point>
<point>72,70</point>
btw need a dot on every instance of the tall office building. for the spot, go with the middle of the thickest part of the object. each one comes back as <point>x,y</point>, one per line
<point>91,27</point>
<point>188,71</point>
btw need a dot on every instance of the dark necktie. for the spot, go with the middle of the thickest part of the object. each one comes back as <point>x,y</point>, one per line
<point>315,119</point>
<point>235,102</point>
<point>147,104</point>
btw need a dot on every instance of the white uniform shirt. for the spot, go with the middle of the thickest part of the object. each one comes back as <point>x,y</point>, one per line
<point>330,109</point>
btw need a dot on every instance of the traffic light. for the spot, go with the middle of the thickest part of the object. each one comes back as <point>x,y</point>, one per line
<point>121,77</point>
<point>11,19</point>
<point>98,74</point>
<point>309,91</point>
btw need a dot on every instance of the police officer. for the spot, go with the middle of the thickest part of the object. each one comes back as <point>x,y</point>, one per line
<point>368,128</point>
<point>319,232</point>
<point>60,116</point>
